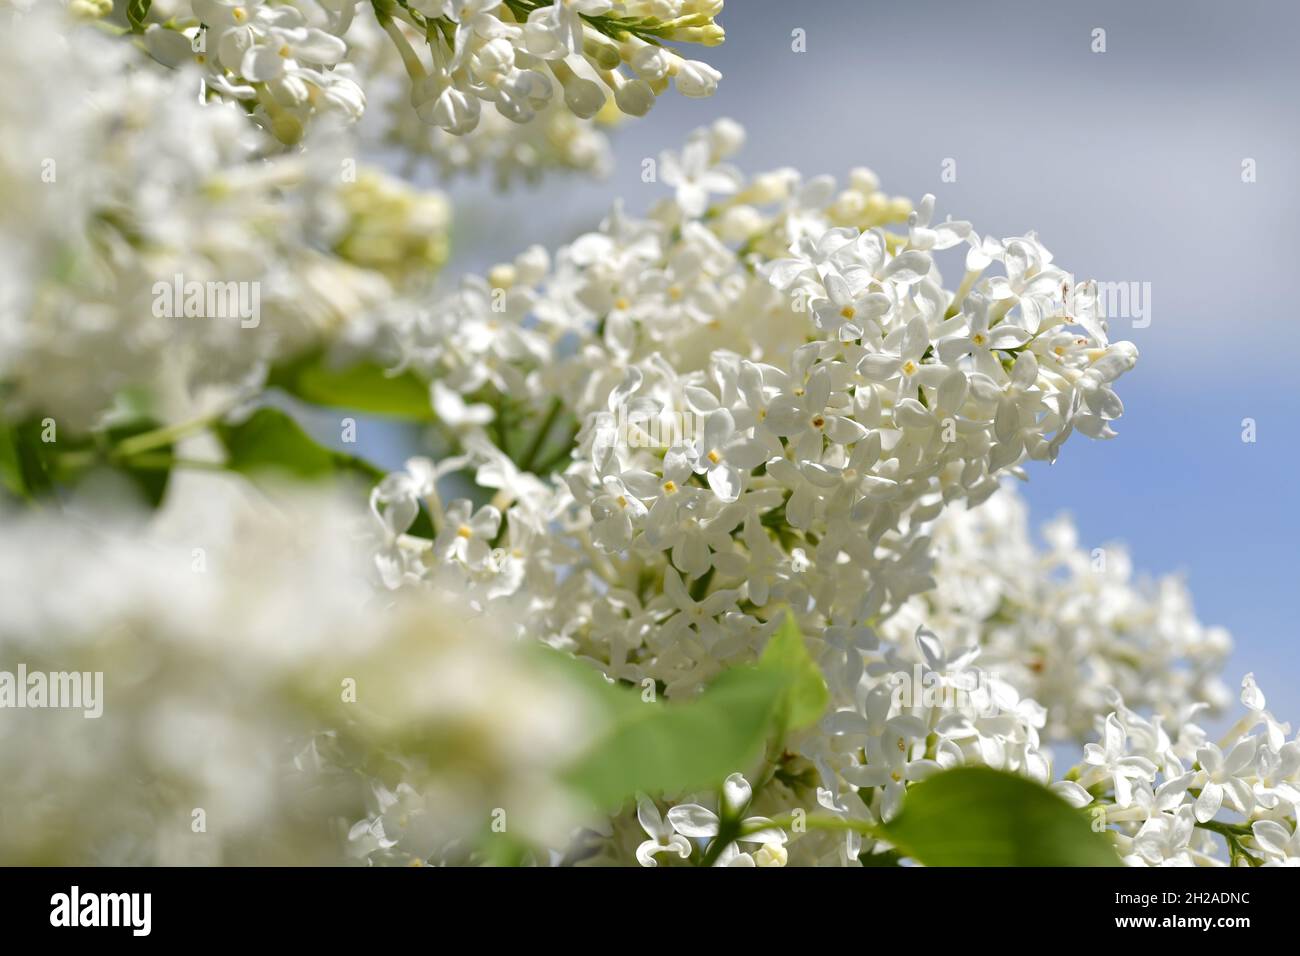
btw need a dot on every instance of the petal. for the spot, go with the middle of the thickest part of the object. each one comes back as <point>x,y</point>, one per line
<point>736,792</point>
<point>1072,793</point>
<point>768,834</point>
<point>726,481</point>
<point>645,853</point>
<point>1209,802</point>
<point>693,820</point>
<point>649,817</point>
<point>718,427</point>
<point>880,366</point>
<point>1271,836</point>
<point>931,648</point>
<point>261,63</point>
<point>819,390</point>
<point>317,46</point>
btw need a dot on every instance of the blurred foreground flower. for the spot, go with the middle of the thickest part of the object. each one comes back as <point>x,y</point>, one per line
<point>147,235</point>
<point>257,700</point>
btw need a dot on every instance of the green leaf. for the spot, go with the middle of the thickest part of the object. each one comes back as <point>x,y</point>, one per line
<point>974,816</point>
<point>34,459</point>
<point>151,482</point>
<point>361,386</point>
<point>271,441</point>
<point>32,466</point>
<point>673,747</point>
<point>11,466</point>
<point>136,12</point>
<point>806,696</point>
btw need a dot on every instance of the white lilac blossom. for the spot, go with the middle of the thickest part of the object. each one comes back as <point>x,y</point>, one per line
<point>250,673</point>
<point>119,190</point>
<point>775,402</point>
<point>1066,624</point>
<point>1180,798</point>
<point>734,441</point>
<point>290,63</point>
<point>554,141</point>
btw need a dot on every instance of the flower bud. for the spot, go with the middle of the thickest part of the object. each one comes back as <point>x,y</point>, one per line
<point>696,79</point>
<point>583,97</point>
<point>635,97</point>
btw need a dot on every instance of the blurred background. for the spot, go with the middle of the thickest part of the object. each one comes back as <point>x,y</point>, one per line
<point>1128,163</point>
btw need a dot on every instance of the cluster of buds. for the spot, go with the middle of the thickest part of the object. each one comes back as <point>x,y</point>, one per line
<point>514,54</point>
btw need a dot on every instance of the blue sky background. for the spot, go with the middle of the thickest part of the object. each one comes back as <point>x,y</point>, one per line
<point>1128,164</point>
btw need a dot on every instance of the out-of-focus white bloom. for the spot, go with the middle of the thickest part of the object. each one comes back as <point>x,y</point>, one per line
<point>121,196</point>
<point>254,691</point>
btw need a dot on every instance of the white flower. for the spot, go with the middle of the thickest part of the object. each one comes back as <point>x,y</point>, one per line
<point>695,176</point>
<point>1163,839</point>
<point>1220,778</point>
<point>1281,846</point>
<point>726,455</point>
<point>891,764</point>
<point>696,821</point>
<point>467,535</point>
<point>663,839</point>
<point>1111,759</point>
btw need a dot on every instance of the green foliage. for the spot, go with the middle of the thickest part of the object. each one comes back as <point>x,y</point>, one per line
<point>36,460</point>
<point>271,441</point>
<point>29,467</point>
<point>12,476</point>
<point>673,747</point>
<point>136,13</point>
<point>974,816</point>
<point>149,479</point>
<point>361,386</point>
<point>805,697</point>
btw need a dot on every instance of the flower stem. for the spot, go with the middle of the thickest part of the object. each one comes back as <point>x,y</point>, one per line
<point>539,440</point>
